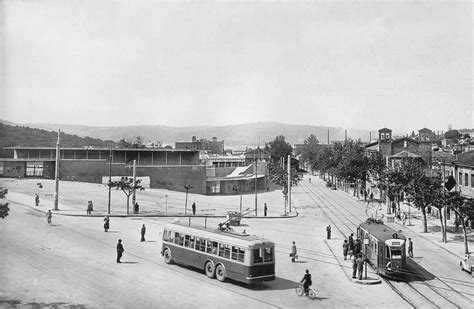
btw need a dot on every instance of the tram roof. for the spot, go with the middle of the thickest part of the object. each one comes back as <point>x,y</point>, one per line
<point>215,234</point>
<point>381,231</point>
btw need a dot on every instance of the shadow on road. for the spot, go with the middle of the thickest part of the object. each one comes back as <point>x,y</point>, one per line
<point>277,285</point>
<point>413,273</point>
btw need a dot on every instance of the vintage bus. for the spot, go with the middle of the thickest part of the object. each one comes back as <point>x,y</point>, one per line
<point>384,248</point>
<point>221,254</point>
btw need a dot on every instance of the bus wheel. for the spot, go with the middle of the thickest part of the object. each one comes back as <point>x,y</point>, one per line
<point>220,273</point>
<point>167,256</point>
<point>210,270</point>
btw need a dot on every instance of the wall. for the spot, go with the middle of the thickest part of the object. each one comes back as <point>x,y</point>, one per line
<point>14,169</point>
<point>83,170</point>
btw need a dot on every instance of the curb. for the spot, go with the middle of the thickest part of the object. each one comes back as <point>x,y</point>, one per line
<point>367,281</point>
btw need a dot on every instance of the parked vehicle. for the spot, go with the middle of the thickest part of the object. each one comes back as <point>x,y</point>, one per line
<point>467,263</point>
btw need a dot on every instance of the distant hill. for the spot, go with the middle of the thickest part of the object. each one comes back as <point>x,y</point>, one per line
<point>15,135</point>
<point>234,136</point>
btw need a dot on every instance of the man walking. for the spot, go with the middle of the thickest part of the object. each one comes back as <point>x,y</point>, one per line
<point>194,208</point>
<point>294,253</point>
<point>120,250</point>
<point>143,231</point>
<point>410,248</point>
<point>49,217</point>
<point>328,232</point>
<point>37,199</point>
<point>265,209</point>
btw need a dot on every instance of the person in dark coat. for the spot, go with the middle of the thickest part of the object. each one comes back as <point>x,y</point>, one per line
<point>143,231</point>
<point>345,249</point>
<point>106,224</point>
<point>90,207</point>
<point>351,245</point>
<point>120,250</point>
<point>293,253</point>
<point>328,232</point>
<point>37,199</point>
<point>265,209</point>
<point>360,265</point>
<point>410,248</point>
<point>49,217</point>
<point>357,246</point>
<point>306,281</point>
<point>194,208</point>
<point>354,267</point>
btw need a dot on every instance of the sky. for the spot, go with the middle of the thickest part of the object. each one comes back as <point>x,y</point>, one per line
<point>404,65</point>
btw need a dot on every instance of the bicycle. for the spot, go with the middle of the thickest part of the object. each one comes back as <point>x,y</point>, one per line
<point>300,291</point>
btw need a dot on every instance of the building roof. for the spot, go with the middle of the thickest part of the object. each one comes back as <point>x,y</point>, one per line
<point>465,159</point>
<point>103,149</point>
<point>385,130</point>
<point>381,231</point>
<point>404,154</point>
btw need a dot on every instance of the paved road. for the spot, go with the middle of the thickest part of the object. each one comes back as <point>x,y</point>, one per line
<point>73,262</point>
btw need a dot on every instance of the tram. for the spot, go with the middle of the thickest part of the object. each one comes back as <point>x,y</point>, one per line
<point>384,248</point>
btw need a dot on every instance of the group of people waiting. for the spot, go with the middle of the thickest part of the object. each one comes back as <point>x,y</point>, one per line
<point>353,249</point>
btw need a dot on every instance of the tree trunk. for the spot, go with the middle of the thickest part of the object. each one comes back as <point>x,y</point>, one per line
<point>443,228</point>
<point>425,224</point>
<point>128,204</point>
<point>466,247</point>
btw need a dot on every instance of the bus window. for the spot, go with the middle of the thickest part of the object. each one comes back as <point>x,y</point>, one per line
<point>235,252</point>
<point>189,241</point>
<point>268,254</point>
<point>178,239</point>
<point>257,258</point>
<point>240,255</point>
<point>211,247</point>
<point>224,251</point>
<point>200,244</point>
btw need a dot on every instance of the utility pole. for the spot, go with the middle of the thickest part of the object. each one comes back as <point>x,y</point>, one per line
<point>289,182</point>
<point>134,192</point>
<point>166,203</point>
<point>110,181</point>
<point>186,187</point>
<point>256,171</point>
<point>56,175</point>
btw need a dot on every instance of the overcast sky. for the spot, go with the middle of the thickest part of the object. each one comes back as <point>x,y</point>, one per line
<point>364,64</point>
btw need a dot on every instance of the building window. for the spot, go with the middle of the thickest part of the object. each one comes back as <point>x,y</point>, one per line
<point>472,180</point>
<point>466,180</point>
<point>34,169</point>
<point>460,178</point>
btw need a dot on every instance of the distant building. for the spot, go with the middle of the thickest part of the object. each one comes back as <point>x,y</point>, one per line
<point>212,146</point>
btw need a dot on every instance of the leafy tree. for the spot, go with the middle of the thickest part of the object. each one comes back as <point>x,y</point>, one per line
<point>126,185</point>
<point>279,148</point>
<point>452,134</point>
<point>138,143</point>
<point>124,143</point>
<point>310,149</point>
<point>353,164</point>
<point>3,206</point>
<point>463,207</point>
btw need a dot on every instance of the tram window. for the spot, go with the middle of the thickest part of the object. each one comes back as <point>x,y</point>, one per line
<point>189,241</point>
<point>235,252</point>
<point>240,255</point>
<point>200,244</point>
<point>165,235</point>
<point>257,257</point>
<point>268,254</point>
<point>396,254</point>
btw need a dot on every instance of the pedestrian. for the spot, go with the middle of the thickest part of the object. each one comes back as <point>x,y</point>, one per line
<point>404,218</point>
<point>357,246</point>
<point>294,253</point>
<point>394,207</point>
<point>106,224</point>
<point>37,199</point>
<point>136,208</point>
<point>120,250</point>
<point>429,210</point>
<point>345,249</point>
<point>328,232</point>
<point>49,217</point>
<point>351,245</point>
<point>360,265</point>
<point>309,179</point>
<point>90,207</point>
<point>265,209</point>
<point>194,208</point>
<point>143,231</point>
<point>354,267</point>
<point>410,248</point>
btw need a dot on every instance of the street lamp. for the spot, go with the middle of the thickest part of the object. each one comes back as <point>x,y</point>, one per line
<point>187,188</point>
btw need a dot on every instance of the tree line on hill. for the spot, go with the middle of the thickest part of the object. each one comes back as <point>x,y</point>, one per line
<point>11,136</point>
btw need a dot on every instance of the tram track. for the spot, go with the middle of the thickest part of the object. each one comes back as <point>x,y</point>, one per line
<point>327,204</point>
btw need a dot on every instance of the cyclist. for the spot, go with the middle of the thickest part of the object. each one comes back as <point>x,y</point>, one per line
<point>306,282</point>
